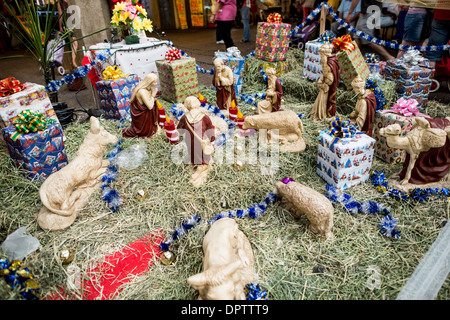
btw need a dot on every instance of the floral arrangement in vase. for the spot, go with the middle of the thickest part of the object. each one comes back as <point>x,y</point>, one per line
<point>130,18</point>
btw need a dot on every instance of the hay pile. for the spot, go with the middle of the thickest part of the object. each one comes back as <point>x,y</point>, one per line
<point>302,90</point>
<point>286,252</point>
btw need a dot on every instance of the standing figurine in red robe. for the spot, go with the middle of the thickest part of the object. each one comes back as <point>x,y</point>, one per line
<point>365,109</point>
<point>143,109</point>
<point>199,136</point>
<point>325,104</point>
<point>274,93</point>
<point>223,81</point>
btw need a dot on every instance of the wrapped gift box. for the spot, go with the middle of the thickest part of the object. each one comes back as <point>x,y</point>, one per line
<point>178,79</point>
<point>411,81</point>
<point>114,96</point>
<point>351,64</point>
<point>312,69</point>
<point>382,151</point>
<point>237,66</point>
<point>40,153</point>
<point>33,97</point>
<point>272,41</point>
<point>279,66</point>
<point>347,162</point>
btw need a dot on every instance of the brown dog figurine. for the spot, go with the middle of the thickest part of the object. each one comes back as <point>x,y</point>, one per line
<point>302,200</point>
<point>67,191</point>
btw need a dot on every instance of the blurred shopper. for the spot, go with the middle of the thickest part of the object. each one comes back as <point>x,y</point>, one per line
<point>308,7</point>
<point>245,11</point>
<point>224,14</point>
<point>367,24</point>
<point>417,23</point>
<point>343,10</point>
<point>286,10</point>
<point>440,33</point>
<point>253,12</point>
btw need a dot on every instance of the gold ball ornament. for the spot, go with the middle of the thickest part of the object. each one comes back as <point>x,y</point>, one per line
<point>168,258</point>
<point>141,194</point>
<point>239,165</point>
<point>66,256</point>
<point>253,109</point>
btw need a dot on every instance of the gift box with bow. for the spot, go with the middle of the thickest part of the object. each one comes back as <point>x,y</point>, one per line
<point>312,69</point>
<point>40,153</point>
<point>412,75</point>
<point>344,155</point>
<point>351,61</point>
<point>236,63</point>
<point>402,113</point>
<point>272,41</point>
<point>114,96</point>
<point>31,96</point>
<point>178,79</point>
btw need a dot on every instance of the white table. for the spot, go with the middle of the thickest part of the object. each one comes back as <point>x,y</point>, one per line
<point>136,59</point>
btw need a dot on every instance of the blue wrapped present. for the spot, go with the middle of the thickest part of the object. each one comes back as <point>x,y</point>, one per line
<point>41,153</point>
<point>115,96</point>
<point>236,63</point>
<point>412,75</point>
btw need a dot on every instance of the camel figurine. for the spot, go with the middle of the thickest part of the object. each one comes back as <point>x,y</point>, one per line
<point>65,192</point>
<point>427,146</point>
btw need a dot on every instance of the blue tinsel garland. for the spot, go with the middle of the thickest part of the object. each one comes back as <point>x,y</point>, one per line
<point>110,195</point>
<point>379,95</point>
<point>387,224</point>
<point>379,180</point>
<point>80,72</point>
<point>254,292</point>
<point>250,98</point>
<point>253,212</point>
<point>19,277</point>
<point>361,34</point>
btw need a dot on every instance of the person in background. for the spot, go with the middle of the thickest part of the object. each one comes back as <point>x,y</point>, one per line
<point>224,14</point>
<point>415,21</point>
<point>253,12</point>
<point>308,6</point>
<point>343,9</point>
<point>440,33</point>
<point>389,14</point>
<point>366,28</point>
<point>245,9</point>
<point>286,10</point>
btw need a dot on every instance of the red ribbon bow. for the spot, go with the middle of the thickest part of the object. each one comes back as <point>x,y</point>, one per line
<point>343,43</point>
<point>274,18</point>
<point>10,86</point>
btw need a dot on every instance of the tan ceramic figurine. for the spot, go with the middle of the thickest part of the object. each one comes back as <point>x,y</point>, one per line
<point>223,81</point>
<point>274,93</point>
<point>227,263</point>
<point>427,145</point>
<point>199,136</point>
<point>301,200</point>
<point>65,192</point>
<point>283,126</point>
<point>325,104</point>
<point>366,107</point>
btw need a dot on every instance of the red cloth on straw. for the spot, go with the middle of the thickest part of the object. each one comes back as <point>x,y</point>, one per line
<point>104,280</point>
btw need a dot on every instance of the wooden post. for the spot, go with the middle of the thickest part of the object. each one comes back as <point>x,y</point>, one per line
<point>323,18</point>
